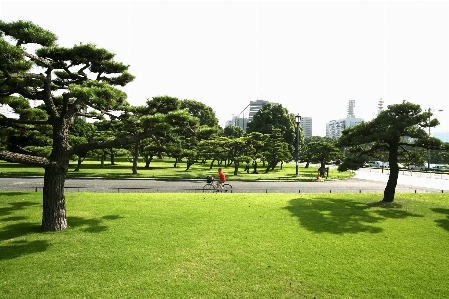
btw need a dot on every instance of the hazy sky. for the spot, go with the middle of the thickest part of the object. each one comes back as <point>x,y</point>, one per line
<point>310,56</point>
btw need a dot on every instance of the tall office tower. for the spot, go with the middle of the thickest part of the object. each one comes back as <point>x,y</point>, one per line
<point>255,106</point>
<point>306,125</point>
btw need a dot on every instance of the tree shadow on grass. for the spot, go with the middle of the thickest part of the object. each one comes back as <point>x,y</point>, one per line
<point>19,227</point>
<point>17,248</point>
<point>13,193</point>
<point>94,225</point>
<point>340,216</point>
<point>21,248</point>
<point>443,223</point>
<point>11,227</point>
<point>15,206</point>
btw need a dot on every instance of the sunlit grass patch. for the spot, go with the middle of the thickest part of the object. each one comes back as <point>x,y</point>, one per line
<point>227,245</point>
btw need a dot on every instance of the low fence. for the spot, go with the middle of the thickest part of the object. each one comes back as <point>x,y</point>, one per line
<point>243,190</point>
<point>417,174</point>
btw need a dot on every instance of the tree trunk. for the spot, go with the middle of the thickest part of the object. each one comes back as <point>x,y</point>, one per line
<point>112,158</point>
<point>176,162</point>
<point>189,163</point>
<point>148,160</point>
<point>271,166</point>
<point>390,189</point>
<point>54,212</point>
<point>236,167</point>
<point>255,167</point>
<point>136,157</point>
<point>102,160</point>
<point>211,163</point>
<point>78,166</point>
<point>307,164</point>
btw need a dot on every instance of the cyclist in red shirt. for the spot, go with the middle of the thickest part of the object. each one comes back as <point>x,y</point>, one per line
<point>221,177</point>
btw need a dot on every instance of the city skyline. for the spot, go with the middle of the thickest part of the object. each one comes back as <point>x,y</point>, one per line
<point>310,56</point>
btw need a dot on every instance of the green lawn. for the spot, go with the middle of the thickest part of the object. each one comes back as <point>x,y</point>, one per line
<point>227,246</point>
<point>164,168</point>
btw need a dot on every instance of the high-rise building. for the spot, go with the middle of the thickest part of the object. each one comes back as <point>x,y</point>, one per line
<point>255,106</point>
<point>237,121</point>
<point>335,127</point>
<point>241,120</point>
<point>306,125</point>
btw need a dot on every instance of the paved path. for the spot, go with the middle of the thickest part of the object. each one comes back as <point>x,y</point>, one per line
<point>439,181</point>
<point>365,181</point>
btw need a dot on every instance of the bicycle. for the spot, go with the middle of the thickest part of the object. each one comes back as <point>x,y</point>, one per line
<point>211,186</point>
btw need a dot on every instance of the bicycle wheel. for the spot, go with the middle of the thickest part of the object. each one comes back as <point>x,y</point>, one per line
<point>227,188</point>
<point>208,188</point>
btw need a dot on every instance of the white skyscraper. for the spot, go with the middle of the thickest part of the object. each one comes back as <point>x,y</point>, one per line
<point>335,127</point>
<point>255,106</point>
<point>306,125</point>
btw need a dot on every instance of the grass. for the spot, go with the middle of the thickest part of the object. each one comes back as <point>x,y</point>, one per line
<point>164,168</point>
<point>227,246</point>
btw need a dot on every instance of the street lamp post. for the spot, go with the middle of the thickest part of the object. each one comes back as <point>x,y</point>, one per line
<point>428,149</point>
<point>298,120</point>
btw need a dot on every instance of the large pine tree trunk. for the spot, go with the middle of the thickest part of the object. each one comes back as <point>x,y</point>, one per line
<point>54,212</point>
<point>390,189</point>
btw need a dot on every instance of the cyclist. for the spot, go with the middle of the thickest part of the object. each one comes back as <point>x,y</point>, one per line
<point>221,178</point>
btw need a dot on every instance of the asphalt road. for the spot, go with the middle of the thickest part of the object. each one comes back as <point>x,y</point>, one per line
<point>364,182</point>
